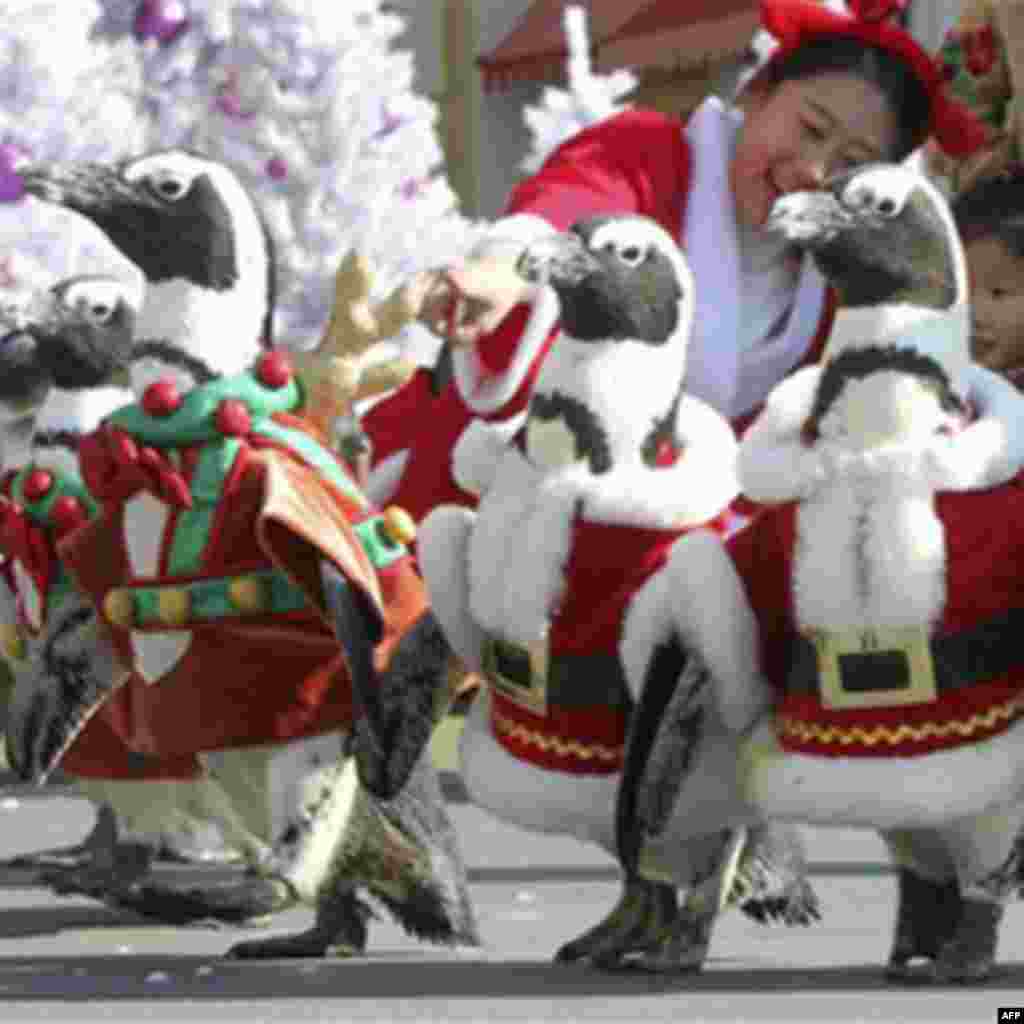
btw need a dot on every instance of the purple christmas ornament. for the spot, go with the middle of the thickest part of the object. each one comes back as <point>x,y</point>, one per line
<point>12,188</point>
<point>277,168</point>
<point>162,20</point>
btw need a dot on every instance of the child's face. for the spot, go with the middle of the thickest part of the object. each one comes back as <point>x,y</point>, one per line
<point>997,304</point>
<point>796,134</point>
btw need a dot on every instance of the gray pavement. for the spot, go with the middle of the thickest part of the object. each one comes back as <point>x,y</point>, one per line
<point>73,960</point>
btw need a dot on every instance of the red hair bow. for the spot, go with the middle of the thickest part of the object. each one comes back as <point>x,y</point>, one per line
<point>795,23</point>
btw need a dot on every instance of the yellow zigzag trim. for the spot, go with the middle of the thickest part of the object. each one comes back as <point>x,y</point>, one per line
<point>563,748</point>
<point>876,735</point>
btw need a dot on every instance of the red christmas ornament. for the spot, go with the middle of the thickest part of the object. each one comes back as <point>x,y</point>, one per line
<point>37,485</point>
<point>67,514</point>
<point>274,370</point>
<point>161,398</point>
<point>233,418</point>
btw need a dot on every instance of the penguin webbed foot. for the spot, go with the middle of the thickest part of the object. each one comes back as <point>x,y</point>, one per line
<point>771,883</point>
<point>248,900</point>
<point>339,931</point>
<point>636,925</point>
<point>105,875</point>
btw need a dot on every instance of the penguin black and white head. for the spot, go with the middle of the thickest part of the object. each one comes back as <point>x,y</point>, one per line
<point>897,362</point>
<point>608,392</point>
<point>24,380</point>
<point>880,234</point>
<point>85,336</point>
<point>191,228</point>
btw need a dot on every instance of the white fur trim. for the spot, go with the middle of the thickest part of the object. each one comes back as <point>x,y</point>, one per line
<point>530,797</point>
<point>870,548</point>
<point>519,547</point>
<point>895,792</point>
<point>485,395</point>
<point>991,450</point>
<point>521,540</point>
<point>154,655</point>
<point>442,546</point>
<point>386,476</point>
<point>775,465</point>
<point>698,596</point>
<point>478,451</point>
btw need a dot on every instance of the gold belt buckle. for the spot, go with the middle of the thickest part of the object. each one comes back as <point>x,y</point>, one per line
<point>841,653</point>
<point>519,673</point>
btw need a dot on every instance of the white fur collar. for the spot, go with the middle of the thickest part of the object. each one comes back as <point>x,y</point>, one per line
<point>717,373</point>
<point>776,466</point>
<point>521,539</point>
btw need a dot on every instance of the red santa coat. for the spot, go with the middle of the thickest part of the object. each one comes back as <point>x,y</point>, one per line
<point>245,667</point>
<point>639,161</point>
<point>984,579</point>
<point>607,565</point>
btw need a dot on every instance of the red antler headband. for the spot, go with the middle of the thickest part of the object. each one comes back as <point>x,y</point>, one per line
<point>795,23</point>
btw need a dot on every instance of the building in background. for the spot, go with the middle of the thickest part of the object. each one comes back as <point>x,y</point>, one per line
<point>483,61</point>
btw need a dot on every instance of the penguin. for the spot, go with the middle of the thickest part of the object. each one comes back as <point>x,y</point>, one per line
<point>871,469</point>
<point>206,321</point>
<point>189,225</point>
<point>614,466</point>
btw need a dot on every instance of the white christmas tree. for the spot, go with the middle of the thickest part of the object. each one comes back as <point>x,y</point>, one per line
<point>313,103</point>
<point>62,97</point>
<point>562,113</point>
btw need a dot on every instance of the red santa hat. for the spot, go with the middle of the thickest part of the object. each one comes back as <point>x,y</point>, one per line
<point>793,24</point>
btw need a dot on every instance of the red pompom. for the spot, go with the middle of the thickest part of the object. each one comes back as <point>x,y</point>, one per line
<point>37,485</point>
<point>67,514</point>
<point>161,398</point>
<point>274,370</point>
<point>233,418</point>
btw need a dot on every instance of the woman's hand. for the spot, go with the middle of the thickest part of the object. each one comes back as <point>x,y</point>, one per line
<point>465,301</point>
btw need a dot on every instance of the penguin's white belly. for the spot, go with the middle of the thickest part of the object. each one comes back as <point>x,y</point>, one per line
<point>925,791</point>
<point>155,653</point>
<point>530,797</point>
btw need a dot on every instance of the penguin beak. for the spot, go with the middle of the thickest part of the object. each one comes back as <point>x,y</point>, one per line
<point>87,188</point>
<point>561,260</point>
<point>809,219</point>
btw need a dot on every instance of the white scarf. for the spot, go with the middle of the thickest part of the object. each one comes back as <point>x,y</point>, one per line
<point>727,369</point>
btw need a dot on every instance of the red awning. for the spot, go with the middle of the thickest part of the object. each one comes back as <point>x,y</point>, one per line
<point>623,33</point>
<point>680,33</point>
<point>535,50</point>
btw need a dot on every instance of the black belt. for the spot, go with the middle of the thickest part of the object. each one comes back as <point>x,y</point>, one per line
<point>960,659</point>
<point>573,680</point>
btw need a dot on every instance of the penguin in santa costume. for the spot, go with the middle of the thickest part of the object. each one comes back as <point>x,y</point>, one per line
<point>227,538</point>
<point>877,633</point>
<point>612,466</point>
